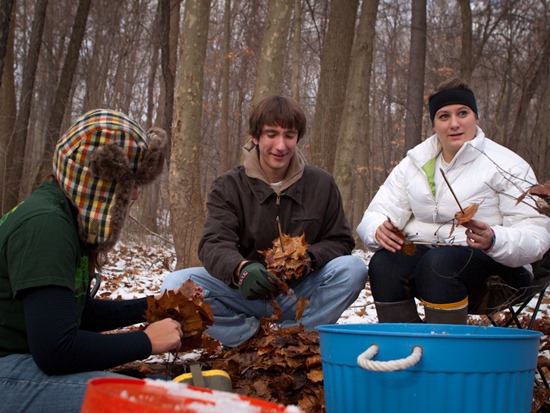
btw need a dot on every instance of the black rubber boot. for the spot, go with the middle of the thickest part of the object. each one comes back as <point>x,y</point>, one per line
<point>397,312</point>
<point>438,316</point>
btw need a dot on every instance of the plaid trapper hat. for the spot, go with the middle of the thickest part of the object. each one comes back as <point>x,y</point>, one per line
<point>98,162</point>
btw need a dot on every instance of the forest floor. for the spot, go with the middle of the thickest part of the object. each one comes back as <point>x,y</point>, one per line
<point>134,270</point>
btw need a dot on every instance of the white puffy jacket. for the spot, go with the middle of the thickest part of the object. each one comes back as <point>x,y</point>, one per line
<point>482,172</point>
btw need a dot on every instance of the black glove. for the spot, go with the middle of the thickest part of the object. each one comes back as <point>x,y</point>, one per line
<point>254,281</point>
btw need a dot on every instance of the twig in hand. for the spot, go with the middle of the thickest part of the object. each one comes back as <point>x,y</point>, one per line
<point>451,188</point>
<point>280,234</point>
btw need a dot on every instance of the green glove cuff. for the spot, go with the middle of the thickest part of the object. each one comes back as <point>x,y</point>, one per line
<point>254,281</point>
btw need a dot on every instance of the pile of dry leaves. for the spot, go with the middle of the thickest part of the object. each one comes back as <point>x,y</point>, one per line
<point>279,366</point>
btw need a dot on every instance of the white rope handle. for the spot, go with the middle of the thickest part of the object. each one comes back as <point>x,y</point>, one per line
<point>364,360</point>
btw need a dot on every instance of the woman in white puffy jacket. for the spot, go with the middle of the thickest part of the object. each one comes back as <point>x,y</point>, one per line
<point>450,265</point>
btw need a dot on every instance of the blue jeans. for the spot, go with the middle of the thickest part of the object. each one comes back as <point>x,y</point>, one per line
<point>25,388</point>
<point>330,290</point>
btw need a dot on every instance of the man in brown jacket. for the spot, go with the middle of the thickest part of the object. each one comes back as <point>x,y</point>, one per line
<point>245,207</point>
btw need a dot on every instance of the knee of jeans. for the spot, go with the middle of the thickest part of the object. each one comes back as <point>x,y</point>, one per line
<point>174,280</point>
<point>355,270</point>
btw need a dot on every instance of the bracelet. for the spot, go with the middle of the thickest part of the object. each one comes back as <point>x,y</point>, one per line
<point>493,241</point>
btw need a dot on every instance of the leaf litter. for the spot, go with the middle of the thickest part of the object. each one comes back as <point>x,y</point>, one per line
<point>276,358</point>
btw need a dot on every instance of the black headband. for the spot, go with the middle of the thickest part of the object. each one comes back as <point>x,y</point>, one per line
<point>450,97</point>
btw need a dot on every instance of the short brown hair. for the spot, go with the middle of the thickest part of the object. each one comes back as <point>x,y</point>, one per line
<point>277,110</point>
<point>451,83</point>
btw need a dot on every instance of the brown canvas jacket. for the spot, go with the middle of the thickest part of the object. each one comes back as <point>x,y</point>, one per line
<point>242,215</point>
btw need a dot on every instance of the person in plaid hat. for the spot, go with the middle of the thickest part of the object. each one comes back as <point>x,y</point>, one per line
<point>50,340</point>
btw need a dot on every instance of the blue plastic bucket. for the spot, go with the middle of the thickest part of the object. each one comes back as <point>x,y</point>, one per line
<point>427,368</point>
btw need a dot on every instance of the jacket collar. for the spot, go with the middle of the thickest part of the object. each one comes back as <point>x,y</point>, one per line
<point>430,148</point>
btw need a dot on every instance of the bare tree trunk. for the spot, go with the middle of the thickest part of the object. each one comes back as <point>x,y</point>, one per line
<point>63,91</point>
<point>150,198</point>
<point>296,50</point>
<point>225,130</point>
<point>355,118</point>
<point>272,58</point>
<point>186,205</point>
<point>16,149</point>
<point>5,16</point>
<point>415,81</point>
<point>8,114</point>
<point>466,50</point>
<point>532,83</point>
<point>335,61</point>
<point>169,51</point>
<point>543,174</point>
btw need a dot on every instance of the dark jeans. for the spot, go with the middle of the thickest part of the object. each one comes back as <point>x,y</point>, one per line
<point>438,275</point>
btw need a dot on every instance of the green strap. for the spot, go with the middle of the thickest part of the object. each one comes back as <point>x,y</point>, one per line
<point>196,374</point>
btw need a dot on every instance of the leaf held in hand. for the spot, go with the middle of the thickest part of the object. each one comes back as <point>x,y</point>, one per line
<point>408,247</point>
<point>186,307</point>
<point>469,212</point>
<point>287,262</point>
<point>462,217</point>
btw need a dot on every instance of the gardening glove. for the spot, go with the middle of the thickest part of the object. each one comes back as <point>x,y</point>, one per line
<point>254,281</point>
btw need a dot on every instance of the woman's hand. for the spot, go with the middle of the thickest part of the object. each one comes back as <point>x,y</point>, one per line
<point>165,335</point>
<point>387,238</point>
<point>478,234</point>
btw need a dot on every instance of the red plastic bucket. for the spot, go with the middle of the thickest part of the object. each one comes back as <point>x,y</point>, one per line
<point>119,395</point>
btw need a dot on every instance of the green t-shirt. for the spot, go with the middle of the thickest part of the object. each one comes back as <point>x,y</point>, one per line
<point>39,246</point>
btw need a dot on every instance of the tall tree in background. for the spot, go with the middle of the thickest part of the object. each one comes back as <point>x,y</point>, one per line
<point>62,93</point>
<point>272,58</point>
<point>415,80</point>
<point>16,149</point>
<point>544,142</point>
<point>335,61</point>
<point>170,11</point>
<point>5,16</point>
<point>533,79</point>
<point>186,205</point>
<point>224,121</point>
<point>355,118</point>
<point>8,111</point>
<point>296,51</point>
<point>466,67</point>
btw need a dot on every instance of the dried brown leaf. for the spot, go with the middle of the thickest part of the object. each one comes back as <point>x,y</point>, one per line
<point>469,212</point>
<point>408,247</point>
<point>184,307</point>
<point>287,262</point>
<point>300,307</point>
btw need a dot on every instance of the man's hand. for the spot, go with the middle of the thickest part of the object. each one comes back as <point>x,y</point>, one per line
<point>254,281</point>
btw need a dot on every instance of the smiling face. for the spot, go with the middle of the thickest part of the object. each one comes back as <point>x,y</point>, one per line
<point>454,125</point>
<point>276,146</point>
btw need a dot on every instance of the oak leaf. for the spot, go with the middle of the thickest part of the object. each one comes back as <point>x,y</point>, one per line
<point>461,217</point>
<point>408,247</point>
<point>186,307</point>
<point>287,260</point>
